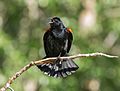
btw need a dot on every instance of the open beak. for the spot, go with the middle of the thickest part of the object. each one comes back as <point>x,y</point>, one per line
<point>51,21</point>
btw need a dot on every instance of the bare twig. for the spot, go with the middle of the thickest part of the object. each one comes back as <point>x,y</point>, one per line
<point>11,89</point>
<point>49,60</point>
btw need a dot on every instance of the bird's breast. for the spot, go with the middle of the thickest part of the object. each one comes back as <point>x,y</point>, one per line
<point>56,45</point>
<point>59,34</point>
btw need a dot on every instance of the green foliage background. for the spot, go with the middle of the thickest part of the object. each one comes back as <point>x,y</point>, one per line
<point>22,25</point>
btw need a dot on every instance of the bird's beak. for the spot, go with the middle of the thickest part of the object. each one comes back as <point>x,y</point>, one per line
<point>51,21</point>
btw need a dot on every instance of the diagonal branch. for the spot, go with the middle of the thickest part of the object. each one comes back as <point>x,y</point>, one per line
<point>49,60</point>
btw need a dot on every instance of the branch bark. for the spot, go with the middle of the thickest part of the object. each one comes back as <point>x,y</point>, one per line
<point>48,60</point>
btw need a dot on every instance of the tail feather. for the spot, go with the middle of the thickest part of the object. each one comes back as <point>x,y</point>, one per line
<point>60,69</point>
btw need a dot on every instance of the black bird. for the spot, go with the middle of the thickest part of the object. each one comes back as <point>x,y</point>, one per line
<point>57,43</point>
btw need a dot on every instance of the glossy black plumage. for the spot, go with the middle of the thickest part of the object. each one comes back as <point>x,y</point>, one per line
<point>57,42</point>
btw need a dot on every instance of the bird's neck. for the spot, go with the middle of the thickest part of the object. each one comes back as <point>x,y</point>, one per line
<point>58,28</point>
<point>58,32</point>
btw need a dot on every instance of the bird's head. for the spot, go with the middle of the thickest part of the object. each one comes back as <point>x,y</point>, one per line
<point>56,22</point>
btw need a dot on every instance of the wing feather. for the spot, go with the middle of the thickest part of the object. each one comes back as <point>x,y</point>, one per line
<point>46,42</point>
<point>70,39</point>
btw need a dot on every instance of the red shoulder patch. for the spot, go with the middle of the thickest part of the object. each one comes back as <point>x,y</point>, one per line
<point>69,30</point>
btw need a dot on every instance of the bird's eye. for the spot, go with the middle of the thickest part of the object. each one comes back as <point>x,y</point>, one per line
<point>56,20</point>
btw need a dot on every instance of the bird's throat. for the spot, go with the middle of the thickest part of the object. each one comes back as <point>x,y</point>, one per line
<point>58,33</point>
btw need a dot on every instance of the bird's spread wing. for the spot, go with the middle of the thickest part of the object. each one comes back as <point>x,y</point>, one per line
<point>70,38</point>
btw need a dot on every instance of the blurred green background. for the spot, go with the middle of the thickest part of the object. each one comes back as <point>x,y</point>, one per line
<point>96,28</point>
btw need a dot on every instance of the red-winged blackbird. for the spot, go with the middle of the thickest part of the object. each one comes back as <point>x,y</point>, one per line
<point>57,43</point>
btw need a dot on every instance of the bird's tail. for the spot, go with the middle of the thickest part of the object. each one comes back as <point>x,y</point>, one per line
<point>59,68</point>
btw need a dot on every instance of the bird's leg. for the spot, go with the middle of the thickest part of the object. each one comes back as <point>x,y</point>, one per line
<point>58,58</point>
<point>58,61</point>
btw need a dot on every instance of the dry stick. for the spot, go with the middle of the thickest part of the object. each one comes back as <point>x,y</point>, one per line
<point>49,60</point>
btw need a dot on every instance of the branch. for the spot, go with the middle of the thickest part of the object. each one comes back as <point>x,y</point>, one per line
<point>49,60</point>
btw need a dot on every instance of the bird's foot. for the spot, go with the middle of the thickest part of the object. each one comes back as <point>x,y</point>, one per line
<point>58,62</point>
